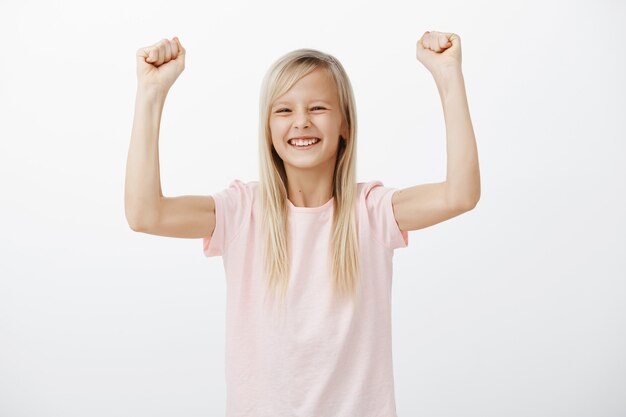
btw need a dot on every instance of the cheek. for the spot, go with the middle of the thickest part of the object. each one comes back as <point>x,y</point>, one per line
<point>332,124</point>
<point>276,129</point>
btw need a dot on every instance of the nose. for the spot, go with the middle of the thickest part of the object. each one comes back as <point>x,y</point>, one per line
<point>302,120</point>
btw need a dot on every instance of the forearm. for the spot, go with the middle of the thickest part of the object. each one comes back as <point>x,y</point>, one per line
<point>143,184</point>
<point>462,176</point>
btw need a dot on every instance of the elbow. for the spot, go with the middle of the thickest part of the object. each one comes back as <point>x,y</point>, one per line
<point>134,223</point>
<point>462,197</point>
<point>466,204</point>
<point>135,227</point>
<point>472,202</point>
<point>140,216</point>
<point>471,205</point>
<point>465,201</point>
<point>137,220</point>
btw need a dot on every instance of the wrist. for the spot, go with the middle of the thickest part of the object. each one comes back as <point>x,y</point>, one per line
<point>151,91</point>
<point>447,75</point>
<point>449,80</point>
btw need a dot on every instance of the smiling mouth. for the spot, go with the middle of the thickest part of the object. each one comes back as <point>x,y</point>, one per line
<point>303,147</point>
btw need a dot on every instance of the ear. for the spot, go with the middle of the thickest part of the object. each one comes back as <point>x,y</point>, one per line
<point>344,130</point>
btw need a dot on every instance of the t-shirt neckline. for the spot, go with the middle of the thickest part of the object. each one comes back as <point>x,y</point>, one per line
<point>323,207</point>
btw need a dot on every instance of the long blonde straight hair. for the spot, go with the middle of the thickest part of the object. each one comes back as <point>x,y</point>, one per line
<point>343,250</point>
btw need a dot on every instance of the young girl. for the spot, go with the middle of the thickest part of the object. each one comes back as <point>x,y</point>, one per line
<point>307,231</point>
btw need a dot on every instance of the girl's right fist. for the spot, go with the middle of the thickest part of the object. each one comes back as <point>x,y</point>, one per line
<point>159,65</point>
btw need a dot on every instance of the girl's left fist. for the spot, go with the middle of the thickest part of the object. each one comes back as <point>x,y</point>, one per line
<point>439,52</point>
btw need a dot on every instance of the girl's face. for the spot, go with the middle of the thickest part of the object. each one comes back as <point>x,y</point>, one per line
<point>311,109</point>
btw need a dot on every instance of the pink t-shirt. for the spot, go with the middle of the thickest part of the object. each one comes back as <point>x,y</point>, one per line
<point>321,359</point>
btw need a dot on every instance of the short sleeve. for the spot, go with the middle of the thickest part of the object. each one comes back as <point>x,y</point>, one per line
<point>381,219</point>
<point>233,207</point>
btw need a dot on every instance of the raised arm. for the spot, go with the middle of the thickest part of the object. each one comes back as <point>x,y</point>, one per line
<point>427,204</point>
<point>146,209</point>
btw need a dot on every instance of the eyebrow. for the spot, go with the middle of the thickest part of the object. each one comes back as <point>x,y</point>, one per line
<point>286,103</point>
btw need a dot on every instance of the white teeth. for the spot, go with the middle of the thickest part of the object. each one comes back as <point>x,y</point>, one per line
<point>303,142</point>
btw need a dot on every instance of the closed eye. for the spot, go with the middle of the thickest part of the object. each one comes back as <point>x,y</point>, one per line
<point>312,108</point>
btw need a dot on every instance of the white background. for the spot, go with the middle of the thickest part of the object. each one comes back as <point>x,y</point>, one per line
<point>516,308</point>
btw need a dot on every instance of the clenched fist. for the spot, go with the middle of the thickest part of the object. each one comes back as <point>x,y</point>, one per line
<point>159,65</point>
<point>439,52</point>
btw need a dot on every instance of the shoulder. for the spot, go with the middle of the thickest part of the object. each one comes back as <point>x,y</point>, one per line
<point>376,209</point>
<point>372,192</point>
<point>238,196</point>
<point>241,188</point>
<point>243,185</point>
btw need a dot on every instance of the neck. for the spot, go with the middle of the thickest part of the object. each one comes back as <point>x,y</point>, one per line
<point>309,187</point>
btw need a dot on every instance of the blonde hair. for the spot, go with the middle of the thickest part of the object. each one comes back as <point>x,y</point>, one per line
<point>343,250</point>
